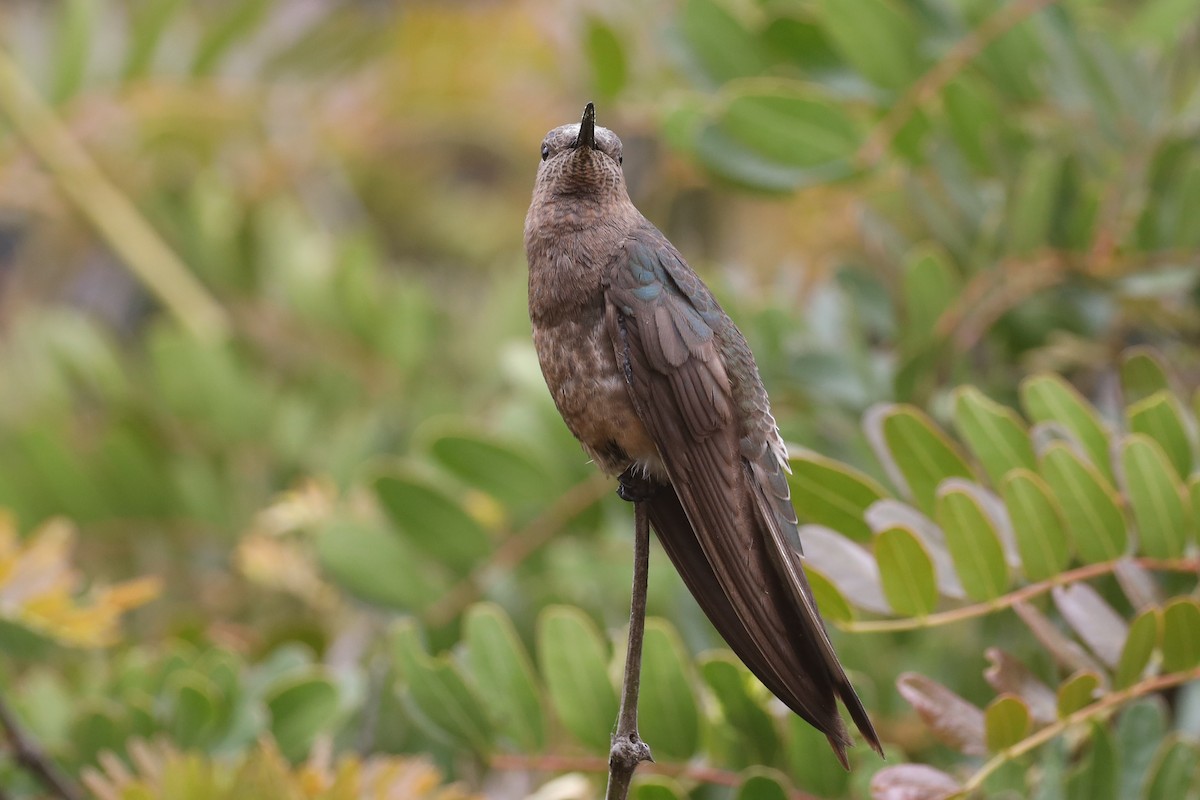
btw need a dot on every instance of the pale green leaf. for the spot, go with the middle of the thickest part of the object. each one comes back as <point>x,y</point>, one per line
<point>1006,721</point>
<point>574,662</point>
<point>906,572</point>
<point>1155,497</point>
<point>1090,508</point>
<point>974,544</point>
<point>1048,398</point>
<point>995,434</point>
<point>502,671</point>
<point>830,493</point>
<point>1038,525</point>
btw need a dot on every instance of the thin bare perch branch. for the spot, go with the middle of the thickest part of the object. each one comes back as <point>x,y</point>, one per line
<point>29,754</point>
<point>628,749</point>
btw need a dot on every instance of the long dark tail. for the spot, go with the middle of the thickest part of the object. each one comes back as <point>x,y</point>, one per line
<point>790,666</point>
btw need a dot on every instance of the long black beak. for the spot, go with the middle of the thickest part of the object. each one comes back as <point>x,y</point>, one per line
<point>587,128</point>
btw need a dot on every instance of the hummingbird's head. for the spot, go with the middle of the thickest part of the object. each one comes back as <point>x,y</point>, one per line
<point>581,160</point>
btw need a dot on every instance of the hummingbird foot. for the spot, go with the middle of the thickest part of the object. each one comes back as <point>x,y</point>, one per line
<point>634,486</point>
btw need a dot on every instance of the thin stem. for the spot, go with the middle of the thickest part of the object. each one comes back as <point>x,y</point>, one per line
<point>1011,599</point>
<point>142,250</point>
<point>1105,704</point>
<point>628,749</point>
<point>29,754</point>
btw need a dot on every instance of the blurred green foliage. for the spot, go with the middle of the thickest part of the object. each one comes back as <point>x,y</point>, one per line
<point>375,535</point>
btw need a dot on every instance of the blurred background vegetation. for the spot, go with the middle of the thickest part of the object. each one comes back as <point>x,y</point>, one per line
<point>267,390</point>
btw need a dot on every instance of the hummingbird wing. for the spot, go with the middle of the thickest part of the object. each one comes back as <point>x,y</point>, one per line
<point>728,525</point>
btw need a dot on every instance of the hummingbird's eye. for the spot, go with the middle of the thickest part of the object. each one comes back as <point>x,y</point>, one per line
<point>620,159</point>
<point>545,152</point>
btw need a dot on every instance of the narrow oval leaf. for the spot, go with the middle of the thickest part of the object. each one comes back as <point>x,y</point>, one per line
<point>791,126</point>
<point>1076,692</point>
<point>1160,417</point>
<point>1180,635</point>
<point>827,492</point>
<point>1038,526</point>
<point>1007,675</point>
<point>756,730</point>
<point>1155,497</point>
<point>974,544</point>
<point>849,567</point>
<point>762,784</point>
<point>1096,777</point>
<point>1139,646</point>
<point>432,519</point>
<point>1101,628</point>
<point>878,37</point>
<point>1094,520</point>
<point>607,57</point>
<point>574,662</point>
<point>1140,729</point>
<point>914,451</point>
<point>668,716</point>
<point>1049,398</point>
<point>888,513</point>
<point>1175,773</point>
<point>996,436</point>
<point>906,572</point>
<point>502,671</point>
<point>913,782</point>
<point>378,566</point>
<point>1143,373</point>
<point>301,707</point>
<point>495,467</point>
<point>832,604</point>
<point>931,285</point>
<point>954,721</point>
<point>1007,721</point>
<point>722,46</point>
<point>439,694</point>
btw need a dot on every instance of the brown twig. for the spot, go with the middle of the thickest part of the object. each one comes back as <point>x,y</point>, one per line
<point>30,756</point>
<point>628,749</point>
<point>928,85</point>
<point>1012,598</point>
<point>692,773</point>
<point>516,548</point>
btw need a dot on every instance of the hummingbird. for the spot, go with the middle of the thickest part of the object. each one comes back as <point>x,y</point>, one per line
<point>660,387</point>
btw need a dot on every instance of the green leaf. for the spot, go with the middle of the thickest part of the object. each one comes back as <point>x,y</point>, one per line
<point>733,161</point>
<point>301,706</point>
<point>668,716</point>
<point>931,285</point>
<point>1175,773</point>
<point>236,22</point>
<point>1093,518</point>
<point>73,47</point>
<point>906,571</point>
<point>1180,635</point>
<point>148,22</point>
<point>439,693</point>
<point>878,37</point>
<point>974,119</point>
<point>432,519</point>
<point>1048,398</point>
<point>1139,646</point>
<point>915,452</point>
<point>495,467</point>
<point>656,787</point>
<point>1162,22</point>
<point>1076,692</point>
<point>719,42</point>
<point>607,57</point>
<point>973,542</point>
<point>1038,527</point>
<point>832,603</point>
<point>762,784</point>
<point>830,493</point>
<point>791,126</point>
<point>755,728</point>
<point>502,672</point>
<point>995,434</point>
<point>1006,722</point>
<point>1031,208</point>
<point>811,763</point>
<point>1140,729</point>
<point>377,566</point>
<point>194,713</point>
<point>574,663</point>
<point>1096,777</point>
<point>1155,497</point>
<point>1143,373</point>
<point>1160,417</point>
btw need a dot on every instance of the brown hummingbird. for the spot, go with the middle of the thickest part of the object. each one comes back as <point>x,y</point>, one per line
<point>660,387</point>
